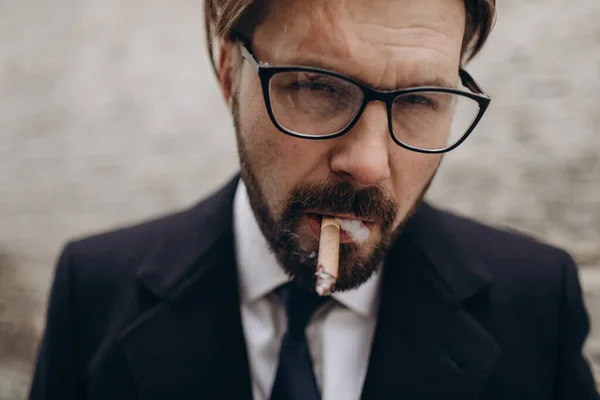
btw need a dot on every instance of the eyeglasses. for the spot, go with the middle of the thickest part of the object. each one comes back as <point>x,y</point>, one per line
<point>315,103</point>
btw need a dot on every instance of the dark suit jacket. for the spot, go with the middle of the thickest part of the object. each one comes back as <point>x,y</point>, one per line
<point>467,312</point>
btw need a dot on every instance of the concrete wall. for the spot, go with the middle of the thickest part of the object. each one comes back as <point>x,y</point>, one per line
<point>109,114</point>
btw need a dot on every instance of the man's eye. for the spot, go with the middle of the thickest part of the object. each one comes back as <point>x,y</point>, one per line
<point>419,99</point>
<point>316,87</point>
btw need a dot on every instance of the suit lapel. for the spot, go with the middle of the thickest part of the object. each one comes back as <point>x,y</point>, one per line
<point>190,344</point>
<point>426,345</point>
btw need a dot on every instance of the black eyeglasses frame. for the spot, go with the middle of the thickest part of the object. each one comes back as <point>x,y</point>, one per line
<point>266,72</point>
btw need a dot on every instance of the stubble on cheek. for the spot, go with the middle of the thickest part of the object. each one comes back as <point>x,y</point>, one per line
<point>260,155</point>
<point>270,173</point>
<point>417,173</point>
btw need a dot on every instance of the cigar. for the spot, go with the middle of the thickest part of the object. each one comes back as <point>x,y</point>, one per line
<point>329,256</point>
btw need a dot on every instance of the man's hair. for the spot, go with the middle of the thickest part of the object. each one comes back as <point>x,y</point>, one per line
<point>225,18</point>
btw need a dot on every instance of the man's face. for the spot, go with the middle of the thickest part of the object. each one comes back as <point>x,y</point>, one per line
<point>363,175</point>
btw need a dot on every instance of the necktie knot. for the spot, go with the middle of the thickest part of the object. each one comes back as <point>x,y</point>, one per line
<point>300,304</point>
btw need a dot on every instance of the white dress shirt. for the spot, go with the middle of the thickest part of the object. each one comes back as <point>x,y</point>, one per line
<point>339,335</point>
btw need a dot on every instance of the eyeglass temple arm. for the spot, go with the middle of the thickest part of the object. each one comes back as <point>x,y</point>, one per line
<point>470,83</point>
<point>244,49</point>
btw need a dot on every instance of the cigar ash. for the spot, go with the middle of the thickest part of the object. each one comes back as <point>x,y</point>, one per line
<point>325,285</point>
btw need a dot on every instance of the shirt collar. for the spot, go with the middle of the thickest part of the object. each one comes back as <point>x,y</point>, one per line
<point>259,272</point>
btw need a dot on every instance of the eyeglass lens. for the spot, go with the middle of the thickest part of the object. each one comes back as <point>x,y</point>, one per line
<point>317,104</point>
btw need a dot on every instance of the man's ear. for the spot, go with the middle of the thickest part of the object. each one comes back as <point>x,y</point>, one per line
<point>227,60</point>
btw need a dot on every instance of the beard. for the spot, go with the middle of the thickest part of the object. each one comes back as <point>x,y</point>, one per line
<point>299,260</point>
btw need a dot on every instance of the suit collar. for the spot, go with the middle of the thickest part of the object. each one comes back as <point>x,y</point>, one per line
<point>199,232</point>
<point>460,274</point>
<point>187,342</point>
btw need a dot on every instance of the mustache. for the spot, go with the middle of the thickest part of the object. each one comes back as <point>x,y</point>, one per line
<point>371,203</point>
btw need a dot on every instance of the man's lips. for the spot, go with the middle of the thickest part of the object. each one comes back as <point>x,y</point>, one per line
<point>314,221</point>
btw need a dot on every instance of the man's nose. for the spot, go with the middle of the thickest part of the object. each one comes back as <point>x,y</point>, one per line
<point>362,155</point>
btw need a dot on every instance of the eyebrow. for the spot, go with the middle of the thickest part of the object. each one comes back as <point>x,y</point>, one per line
<point>438,82</point>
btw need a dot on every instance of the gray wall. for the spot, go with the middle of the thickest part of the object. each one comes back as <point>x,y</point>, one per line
<point>109,114</point>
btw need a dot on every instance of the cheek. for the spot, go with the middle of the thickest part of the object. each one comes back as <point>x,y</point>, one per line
<point>411,172</point>
<point>251,107</point>
<point>279,162</point>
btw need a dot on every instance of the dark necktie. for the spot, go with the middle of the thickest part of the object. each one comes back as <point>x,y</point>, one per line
<point>295,378</point>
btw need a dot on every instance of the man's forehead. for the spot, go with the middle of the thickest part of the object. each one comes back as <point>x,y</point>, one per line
<point>334,35</point>
<point>367,17</point>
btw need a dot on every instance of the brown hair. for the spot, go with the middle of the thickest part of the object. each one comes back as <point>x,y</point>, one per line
<point>223,18</point>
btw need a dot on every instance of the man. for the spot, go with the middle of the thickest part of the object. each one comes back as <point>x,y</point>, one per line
<point>342,108</point>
